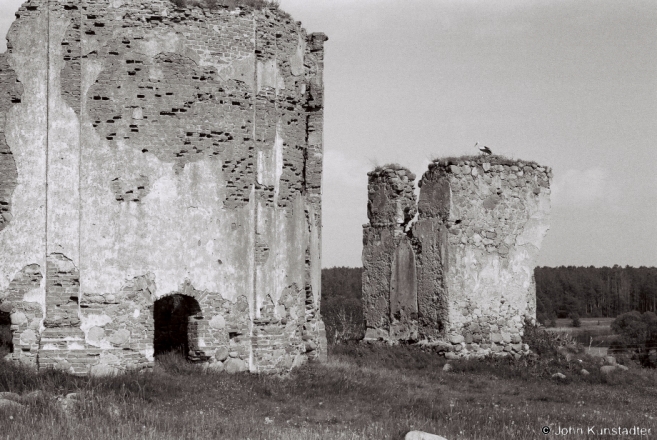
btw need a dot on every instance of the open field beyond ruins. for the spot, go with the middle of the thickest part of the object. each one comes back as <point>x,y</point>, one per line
<point>594,333</point>
<point>362,392</point>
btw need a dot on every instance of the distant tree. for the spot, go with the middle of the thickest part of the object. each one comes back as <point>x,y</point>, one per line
<point>575,320</point>
<point>552,319</point>
<point>635,328</point>
<point>341,305</point>
<point>638,332</point>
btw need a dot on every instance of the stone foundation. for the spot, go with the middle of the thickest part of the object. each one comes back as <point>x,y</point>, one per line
<point>461,276</point>
<point>149,151</point>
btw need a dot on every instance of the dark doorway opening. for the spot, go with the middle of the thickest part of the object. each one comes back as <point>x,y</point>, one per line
<point>6,345</point>
<point>176,325</point>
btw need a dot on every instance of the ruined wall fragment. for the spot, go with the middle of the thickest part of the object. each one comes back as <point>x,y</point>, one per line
<point>23,147</point>
<point>389,285</point>
<point>176,150</point>
<point>10,94</point>
<point>21,300</point>
<point>479,230</point>
<point>498,216</point>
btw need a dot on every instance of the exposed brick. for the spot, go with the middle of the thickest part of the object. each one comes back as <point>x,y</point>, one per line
<point>10,94</point>
<point>237,93</point>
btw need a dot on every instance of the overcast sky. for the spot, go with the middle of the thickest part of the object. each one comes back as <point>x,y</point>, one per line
<point>569,84</point>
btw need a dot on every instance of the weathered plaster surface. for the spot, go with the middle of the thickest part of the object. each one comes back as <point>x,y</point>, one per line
<point>23,240</point>
<point>474,245</point>
<point>63,169</point>
<point>182,153</point>
<point>22,235</point>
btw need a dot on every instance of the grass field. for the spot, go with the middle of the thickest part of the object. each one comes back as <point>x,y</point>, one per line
<point>363,392</point>
<point>586,323</point>
<point>593,332</point>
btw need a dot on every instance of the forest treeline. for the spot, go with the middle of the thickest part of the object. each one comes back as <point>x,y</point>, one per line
<point>594,291</point>
<point>341,305</point>
<point>560,291</point>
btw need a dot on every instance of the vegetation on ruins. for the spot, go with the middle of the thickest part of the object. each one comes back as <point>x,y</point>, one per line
<point>212,4</point>
<point>388,166</point>
<point>494,159</point>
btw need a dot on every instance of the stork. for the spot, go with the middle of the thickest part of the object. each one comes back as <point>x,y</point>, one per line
<point>484,149</point>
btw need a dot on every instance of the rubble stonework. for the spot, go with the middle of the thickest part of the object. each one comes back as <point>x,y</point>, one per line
<point>150,151</point>
<point>460,277</point>
<point>389,281</point>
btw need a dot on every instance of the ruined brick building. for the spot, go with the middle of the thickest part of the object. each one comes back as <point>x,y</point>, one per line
<point>461,277</point>
<point>157,160</point>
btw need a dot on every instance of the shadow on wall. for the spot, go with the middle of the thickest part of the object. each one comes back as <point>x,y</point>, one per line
<point>176,325</point>
<point>5,332</point>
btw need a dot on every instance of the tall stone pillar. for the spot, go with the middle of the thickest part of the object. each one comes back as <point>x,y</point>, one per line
<point>389,279</point>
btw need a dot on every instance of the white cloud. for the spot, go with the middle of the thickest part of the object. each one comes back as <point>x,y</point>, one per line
<point>583,188</point>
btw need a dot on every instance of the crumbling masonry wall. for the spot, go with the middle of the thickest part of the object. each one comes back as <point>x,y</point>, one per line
<point>461,276</point>
<point>148,150</point>
<point>389,277</point>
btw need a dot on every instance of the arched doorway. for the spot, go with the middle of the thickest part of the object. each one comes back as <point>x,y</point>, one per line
<point>6,344</point>
<point>176,326</point>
